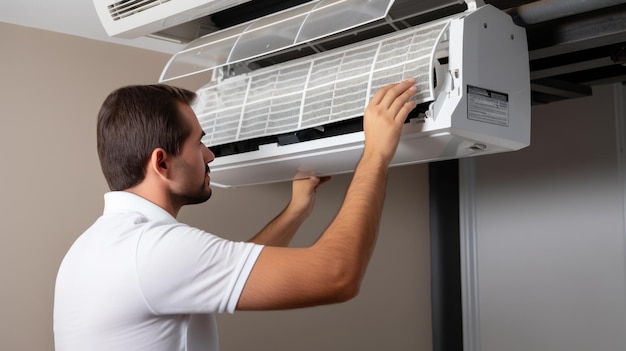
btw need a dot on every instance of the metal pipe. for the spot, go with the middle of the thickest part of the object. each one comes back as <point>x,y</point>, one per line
<point>546,10</point>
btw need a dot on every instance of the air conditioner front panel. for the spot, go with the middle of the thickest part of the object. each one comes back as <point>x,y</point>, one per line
<point>336,155</point>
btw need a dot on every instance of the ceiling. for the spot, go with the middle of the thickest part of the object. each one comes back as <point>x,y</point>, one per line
<point>573,45</point>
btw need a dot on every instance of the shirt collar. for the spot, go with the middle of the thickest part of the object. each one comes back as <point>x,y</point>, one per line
<point>123,201</point>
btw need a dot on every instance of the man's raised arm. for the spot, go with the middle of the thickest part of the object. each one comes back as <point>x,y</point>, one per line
<point>331,270</point>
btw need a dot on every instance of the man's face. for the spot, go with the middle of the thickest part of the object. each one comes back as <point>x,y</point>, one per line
<point>191,169</point>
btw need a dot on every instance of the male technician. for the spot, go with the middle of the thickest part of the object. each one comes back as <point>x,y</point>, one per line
<point>137,279</point>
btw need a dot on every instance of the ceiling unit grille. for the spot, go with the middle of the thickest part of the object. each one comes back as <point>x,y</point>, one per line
<point>126,8</point>
<point>132,19</point>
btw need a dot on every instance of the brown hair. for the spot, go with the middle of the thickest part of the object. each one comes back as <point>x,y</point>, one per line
<point>132,122</point>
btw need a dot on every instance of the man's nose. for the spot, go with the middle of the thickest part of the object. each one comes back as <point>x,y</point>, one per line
<point>209,155</point>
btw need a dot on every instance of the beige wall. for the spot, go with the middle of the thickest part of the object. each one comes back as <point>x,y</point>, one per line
<point>550,233</point>
<point>51,86</point>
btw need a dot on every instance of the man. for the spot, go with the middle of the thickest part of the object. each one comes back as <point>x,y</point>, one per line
<point>137,279</point>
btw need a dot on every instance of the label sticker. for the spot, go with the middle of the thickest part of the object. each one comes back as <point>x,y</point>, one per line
<point>487,106</point>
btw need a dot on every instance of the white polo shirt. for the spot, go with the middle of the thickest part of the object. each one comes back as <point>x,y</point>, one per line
<point>138,279</point>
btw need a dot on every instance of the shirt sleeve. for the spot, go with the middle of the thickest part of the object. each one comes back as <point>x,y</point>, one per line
<point>181,269</point>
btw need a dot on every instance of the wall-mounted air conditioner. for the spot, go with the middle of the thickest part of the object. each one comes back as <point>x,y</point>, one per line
<point>303,117</point>
<point>135,18</point>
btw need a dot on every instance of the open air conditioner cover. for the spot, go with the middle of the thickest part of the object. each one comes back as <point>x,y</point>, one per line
<point>278,31</point>
<point>302,117</point>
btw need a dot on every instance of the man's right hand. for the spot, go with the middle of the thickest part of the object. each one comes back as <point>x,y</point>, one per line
<point>384,117</point>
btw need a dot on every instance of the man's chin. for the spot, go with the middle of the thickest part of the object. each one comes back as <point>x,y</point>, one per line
<point>204,197</point>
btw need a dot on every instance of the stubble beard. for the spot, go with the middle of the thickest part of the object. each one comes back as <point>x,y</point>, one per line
<point>196,195</point>
<point>193,198</point>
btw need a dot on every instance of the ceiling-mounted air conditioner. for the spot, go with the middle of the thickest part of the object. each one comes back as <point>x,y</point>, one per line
<point>303,117</point>
<point>131,19</point>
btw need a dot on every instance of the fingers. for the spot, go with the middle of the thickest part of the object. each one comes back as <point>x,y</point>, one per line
<point>405,109</point>
<point>312,182</point>
<point>317,181</point>
<point>380,94</point>
<point>387,95</point>
<point>397,98</point>
<point>322,180</point>
<point>394,98</point>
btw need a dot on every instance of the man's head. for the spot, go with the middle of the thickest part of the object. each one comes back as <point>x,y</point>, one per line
<point>132,123</point>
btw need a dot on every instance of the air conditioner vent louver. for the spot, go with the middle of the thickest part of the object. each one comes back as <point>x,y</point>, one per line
<point>134,18</point>
<point>125,8</point>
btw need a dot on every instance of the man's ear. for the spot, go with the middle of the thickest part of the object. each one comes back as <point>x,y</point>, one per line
<point>159,162</point>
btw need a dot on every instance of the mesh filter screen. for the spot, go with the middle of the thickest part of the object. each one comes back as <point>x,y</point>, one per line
<point>319,89</point>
